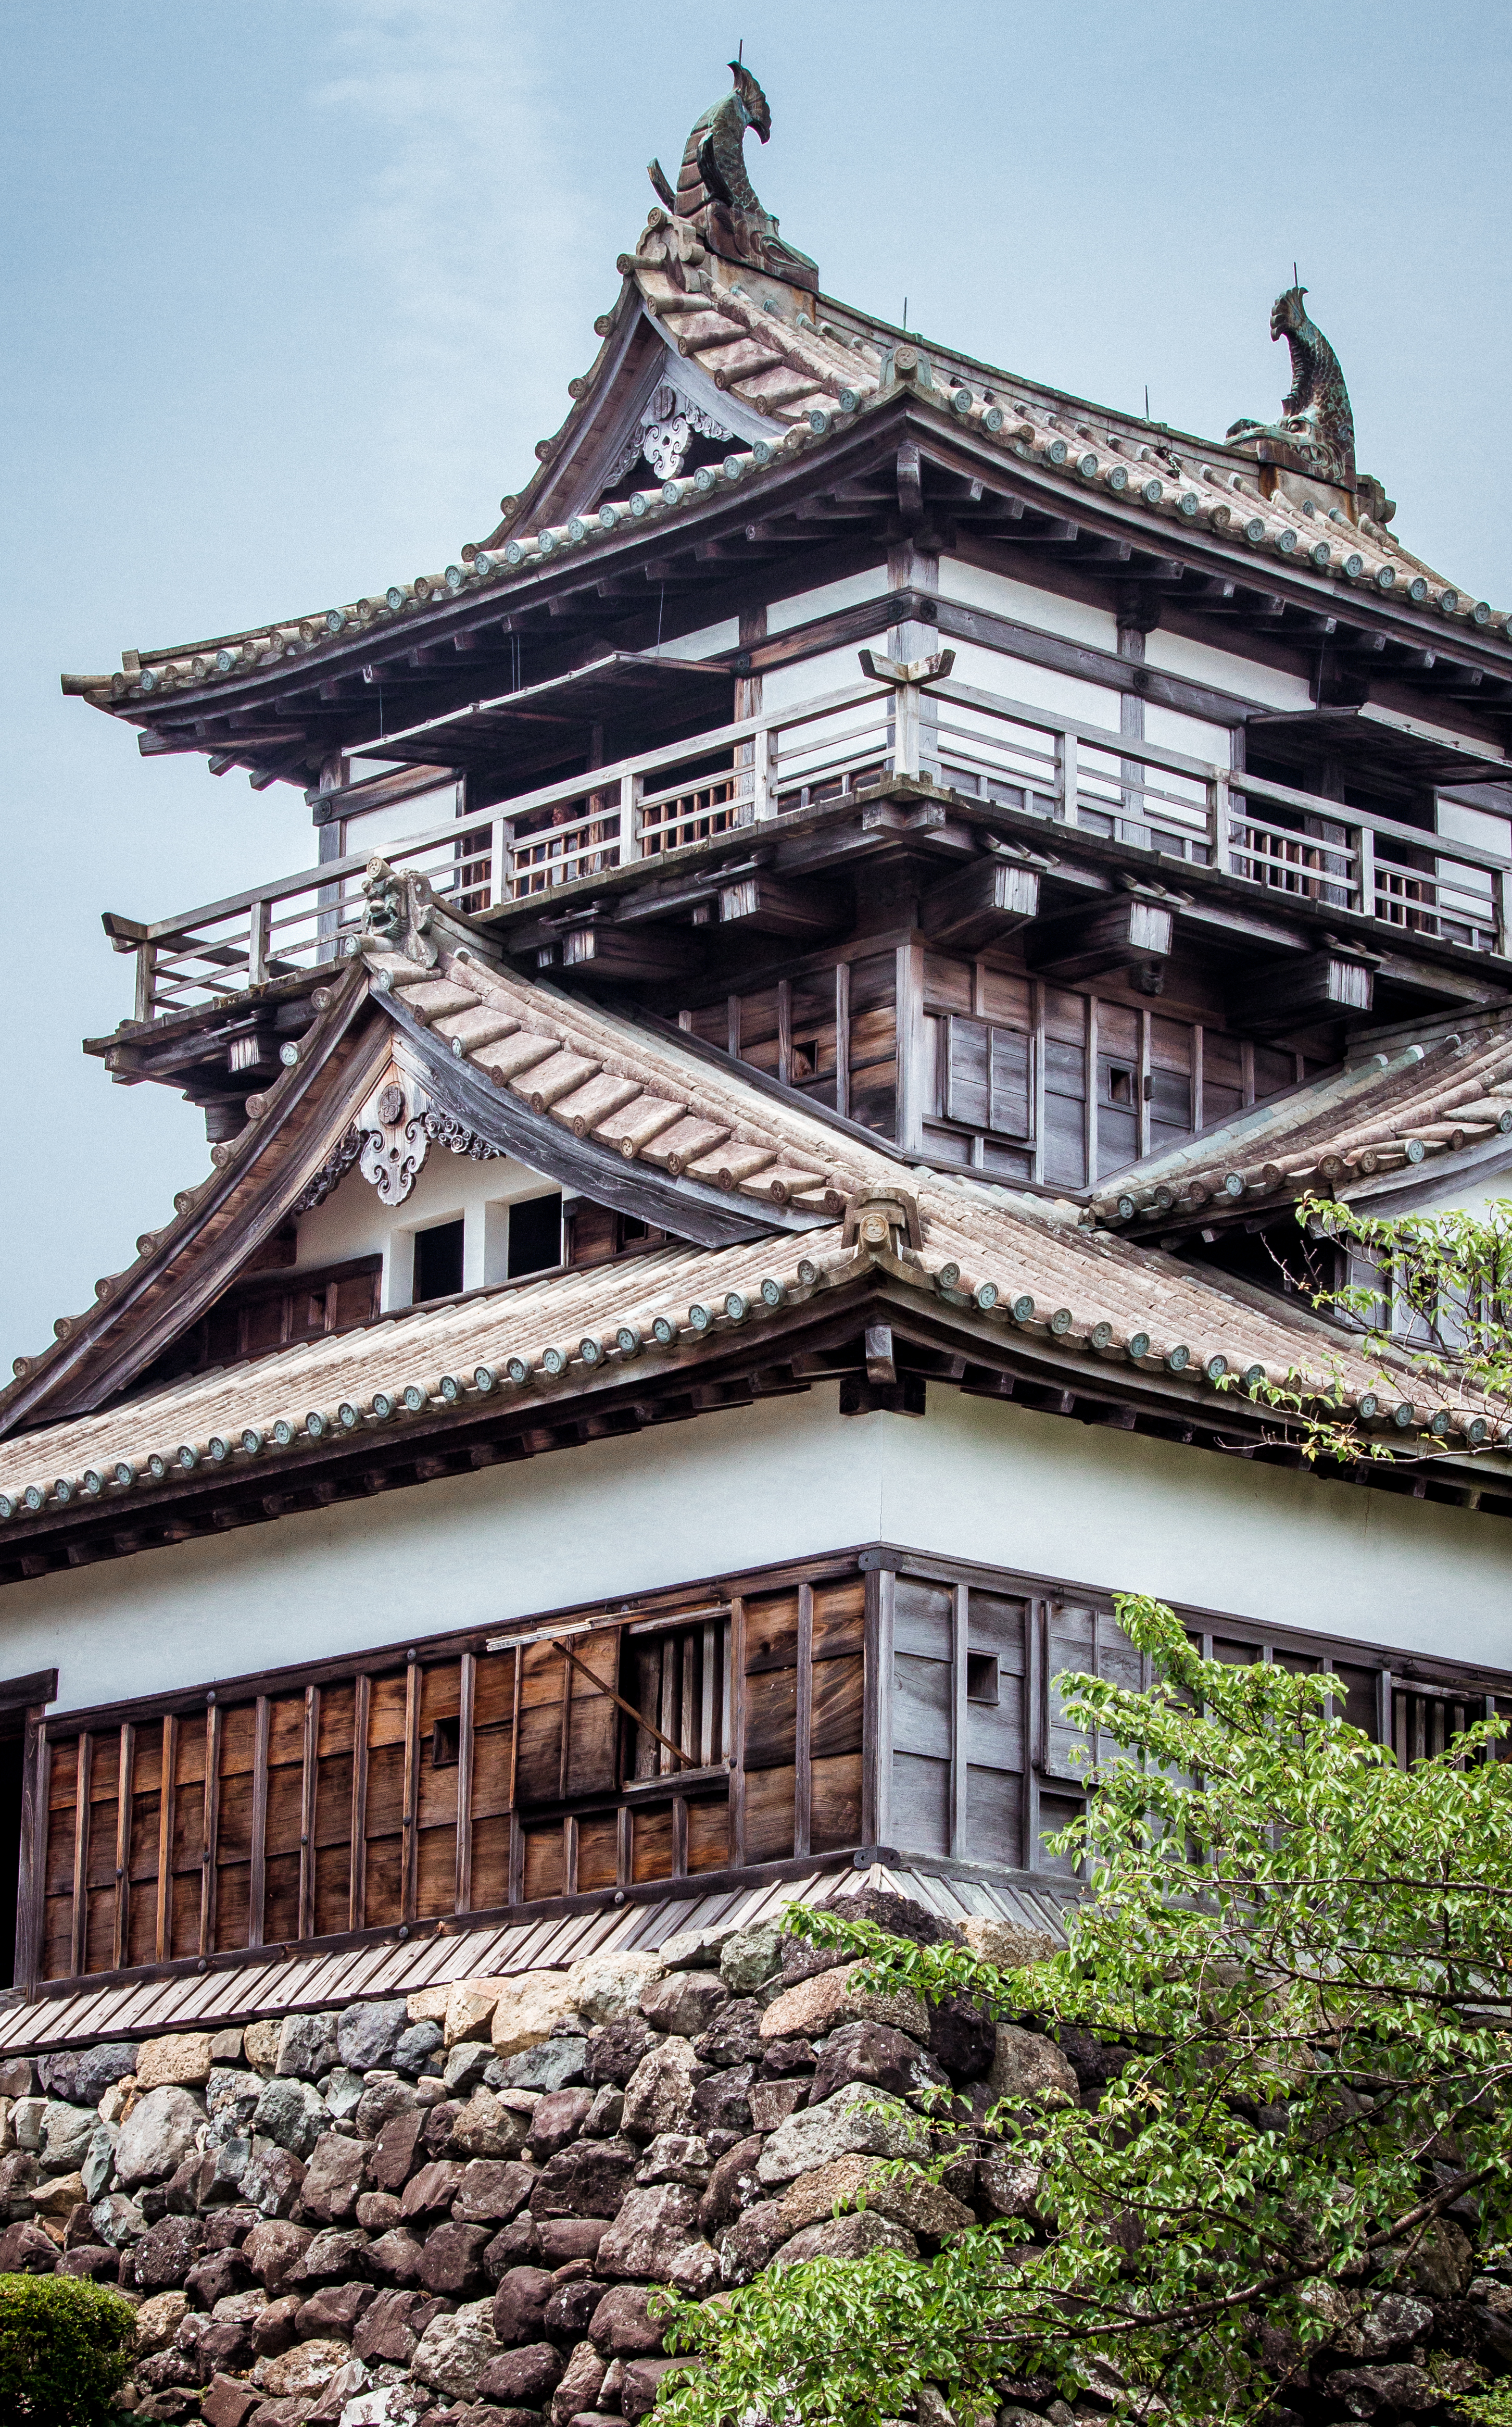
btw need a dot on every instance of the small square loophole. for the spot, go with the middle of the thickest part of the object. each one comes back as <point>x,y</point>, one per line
<point>981,1677</point>
<point>445,1744</point>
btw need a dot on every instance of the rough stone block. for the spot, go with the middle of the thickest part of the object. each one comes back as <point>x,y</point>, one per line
<point>334,2309</point>
<point>182,2057</point>
<point>733,2184</point>
<point>874,2052</point>
<point>722,2102</point>
<point>273,2251</point>
<point>684,2003</point>
<point>291,2111</point>
<point>335,2178</point>
<point>273,2328</point>
<point>590,2178</point>
<point>1006,2187</point>
<point>1028,2066</point>
<point>529,2008</point>
<point>911,2201</point>
<point>623,2325</point>
<point>467,2064</point>
<point>752,2242</point>
<point>225,2047</point>
<point>379,2211</point>
<point>368,2033</point>
<point>157,2136</point>
<point>488,2126</point>
<point>59,2197</point>
<point>392,2326</point>
<point>607,1987</point>
<point>419,2043</point>
<point>398,2150</point>
<point>560,2117</point>
<point>525,2376</point>
<point>66,2134</point>
<point>468,2012</point>
<point>571,2307</point>
<point>454,2350</point>
<point>217,2276</point>
<point>551,2064</point>
<point>395,2257</point>
<point>259,2043</point>
<point>334,2255</point>
<point>492,2190</point>
<point>842,2125</point>
<point>658,2094</point>
<point>750,1957</point>
<point>271,2180</point>
<point>431,2191</point>
<point>386,2095</point>
<point>677,2157</point>
<point>228,2403</point>
<point>561,2240</point>
<point>772,2102</point>
<point>650,2232</point>
<point>306,2046</point>
<point>305,2367</point>
<point>820,2004</point>
<point>519,2312</point>
<point>167,2252</point>
<point>451,2262</point>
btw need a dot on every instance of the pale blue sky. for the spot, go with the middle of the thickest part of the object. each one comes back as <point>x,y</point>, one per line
<point>292,288</point>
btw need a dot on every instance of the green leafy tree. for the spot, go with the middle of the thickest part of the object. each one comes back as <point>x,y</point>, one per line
<point>1430,1309</point>
<point>1304,1956</point>
<point>65,2348</point>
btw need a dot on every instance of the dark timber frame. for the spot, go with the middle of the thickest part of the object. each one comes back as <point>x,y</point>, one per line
<point>872,1704</point>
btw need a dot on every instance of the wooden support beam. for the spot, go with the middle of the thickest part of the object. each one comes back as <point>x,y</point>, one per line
<point>409,1817</point>
<point>804,1724</point>
<point>167,1818</point>
<point>31,1876</point>
<point>83,1781</point>
<point>765,905</point>
<point>309,1799</point>
<point>735,1704</point>
<point>979,903</point>
<point>361,1720</point>
<point>466,1690</point>
<point>1306,987</point>
<point>1125,931</point>
<point>629,953</point>
<point>257,1869</point>
<point>210,1837</point>
<point>126,1780</point>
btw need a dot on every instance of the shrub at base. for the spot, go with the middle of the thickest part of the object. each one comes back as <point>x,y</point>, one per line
<point>65,2347</point>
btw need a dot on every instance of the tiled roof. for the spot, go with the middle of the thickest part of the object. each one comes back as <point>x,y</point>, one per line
<point>813,368</point>
<point>608,1081</point>
<point>1018,1262</point>
<point>1386,1114</point>
<point>308,1983</point>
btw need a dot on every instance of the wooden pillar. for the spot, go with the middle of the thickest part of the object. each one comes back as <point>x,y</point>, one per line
<point>360,1710</point>
<point>468,1688</point>
<point>126,1780</point>
<point>803,1723</point>
<point>736,1705</point>
<point>409,1850</point>
<point>309,1797</point>
<point>83,1779</point>
<point>167,1823</point>
<point>876,1756</point>
<point>842,1038</point>
<point>210,1841</point>
<point>258,1872</point>
<point>31,1881</point>
<point>960,1846</point>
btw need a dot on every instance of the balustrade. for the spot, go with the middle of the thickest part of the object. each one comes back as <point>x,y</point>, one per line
<point>769,769</point>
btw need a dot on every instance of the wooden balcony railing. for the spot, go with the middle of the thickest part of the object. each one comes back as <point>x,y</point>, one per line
<point>764,769</point>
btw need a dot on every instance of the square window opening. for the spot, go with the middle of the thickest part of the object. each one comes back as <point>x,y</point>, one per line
<point>437,1263</point>
<point>535,1236</point>
<point>981,1677</point>
<point>1120,1084</point>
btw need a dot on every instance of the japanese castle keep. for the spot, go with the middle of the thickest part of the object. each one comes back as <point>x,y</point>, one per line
<point>747,1183</point>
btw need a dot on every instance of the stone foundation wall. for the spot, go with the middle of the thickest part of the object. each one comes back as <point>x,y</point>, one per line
<point>455,2208</point>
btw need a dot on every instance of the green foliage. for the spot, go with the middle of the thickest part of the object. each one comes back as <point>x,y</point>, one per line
<point>1307,1954</point>
<point>65,2348</point>
<point>1444,1281</point>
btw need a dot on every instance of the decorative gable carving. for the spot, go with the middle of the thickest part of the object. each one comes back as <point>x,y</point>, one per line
<point>665,433</point>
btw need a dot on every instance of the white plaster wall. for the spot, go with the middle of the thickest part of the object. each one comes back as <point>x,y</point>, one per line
<point>1225,670</point>
<point>710,641</point>
<point>353,1221</point>
<point>376,829</point>
<point>806,606</point>
<point>1045,610</point>
<point>1017,678</point>
<point>789,1477</point>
